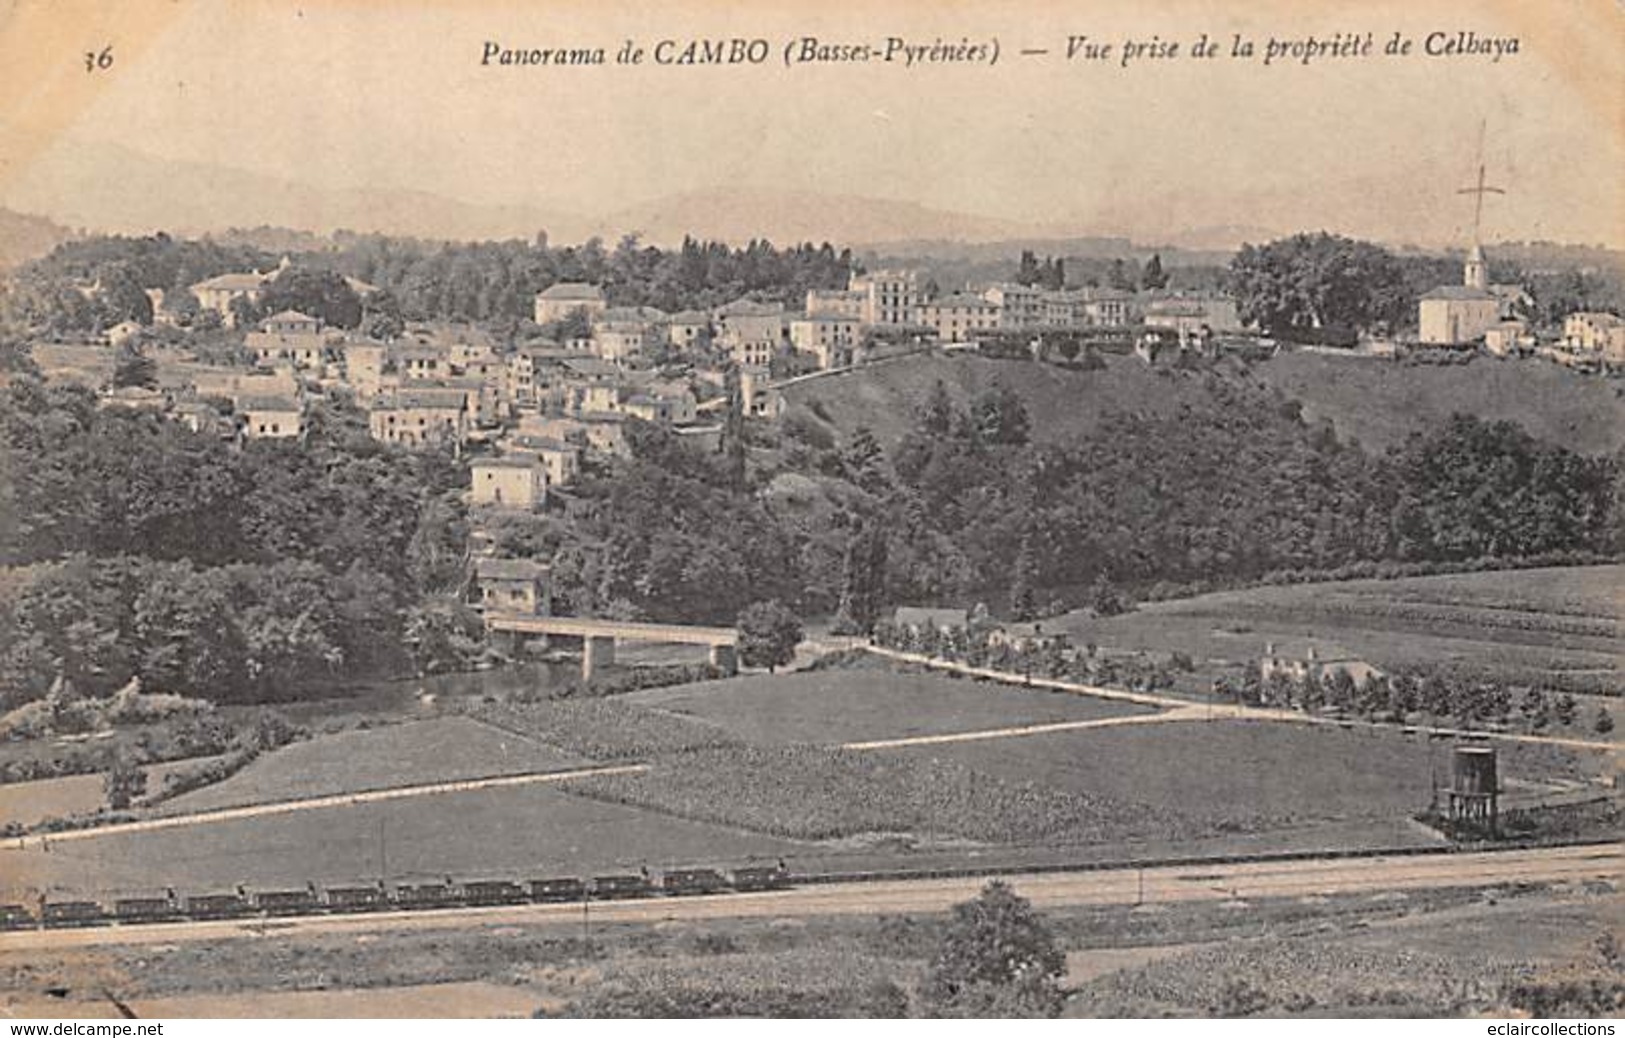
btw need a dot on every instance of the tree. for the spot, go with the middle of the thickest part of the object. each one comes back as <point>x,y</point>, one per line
<point>1153,277</point>
<point>1023,592</point>
<point>1319,281</point>
<point>998,416</point>
<point>937,417</point>
<point>383,317</point>
<point>1120,278</point>
<point>134,368</point>
<point>123,783</point>
<point>1567,709</point>
<point>1604,722</point>
<point>863,582</point>
<point>1028,274</point>
<point>997,958</point>
<point>768,635</point>
<point>316,293</point>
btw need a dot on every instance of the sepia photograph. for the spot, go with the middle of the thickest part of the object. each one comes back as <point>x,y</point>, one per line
<point>1012,510</point>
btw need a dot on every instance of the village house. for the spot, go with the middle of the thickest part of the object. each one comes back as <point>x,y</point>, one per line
<point>288,336</point>
<point>199,417</point>
<point>271,418</point>
<point>133,398</point>
<point>1311,664</point>
<point>122,333</point>
<point>561,461</point>
<point>559,301</point>
<point>1509,339</point>
<point>1595,336</point>
<point>689,331</point>
<point>915,619</point>
<point>419,416</point>
<point>624,332</point>
<point>890,297</point>
<point>421,361</point>
<point>829,338</point>
<point>604,433</point>
<point>836,302</point>
<point>1063,309</point>
<point>513,586</point>
<point>1109,307</point>
<point>508,483</point>
<point>1192,316</point>
<point>751,333</point>
<point>217,293</point>
<point>1020,306</point>
<point>758,397</point>
<point>364,363</point>
<point>960,317</point>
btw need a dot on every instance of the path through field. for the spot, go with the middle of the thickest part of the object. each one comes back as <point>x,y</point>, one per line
<point>1229,710</point>
<point>314,803</point>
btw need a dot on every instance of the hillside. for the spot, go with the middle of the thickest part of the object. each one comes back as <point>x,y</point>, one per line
<point>24,237</point>
<point>1378,403</point>
<point>1381,403</point>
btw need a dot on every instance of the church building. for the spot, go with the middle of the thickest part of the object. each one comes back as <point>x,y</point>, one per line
<point>1453,315</point>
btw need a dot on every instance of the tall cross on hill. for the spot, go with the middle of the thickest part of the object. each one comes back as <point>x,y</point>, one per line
<point>1481,190</point>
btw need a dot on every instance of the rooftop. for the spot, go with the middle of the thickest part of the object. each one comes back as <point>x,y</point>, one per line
<point>509,569</point>
<point>571,290</point>
<point>268,403</point>
<point>1460,292</point>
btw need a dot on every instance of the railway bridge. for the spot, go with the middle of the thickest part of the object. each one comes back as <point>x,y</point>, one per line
<point>598,637</point>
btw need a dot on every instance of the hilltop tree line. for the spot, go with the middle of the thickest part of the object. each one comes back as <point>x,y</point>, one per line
<point>89,284</point>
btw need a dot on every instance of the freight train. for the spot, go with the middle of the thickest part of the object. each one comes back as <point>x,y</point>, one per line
<point>243,903</point>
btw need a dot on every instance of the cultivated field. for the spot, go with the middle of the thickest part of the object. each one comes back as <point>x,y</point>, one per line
<point>521,832</point>
<point>857,704</point>
<point>413,753</point>
<point>1561,628</point>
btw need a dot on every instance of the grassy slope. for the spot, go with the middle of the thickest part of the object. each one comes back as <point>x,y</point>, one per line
<point>1559,627</point>
<point>1377,402</point>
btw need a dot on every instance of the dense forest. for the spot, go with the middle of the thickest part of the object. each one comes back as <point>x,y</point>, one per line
<point>136,547</point>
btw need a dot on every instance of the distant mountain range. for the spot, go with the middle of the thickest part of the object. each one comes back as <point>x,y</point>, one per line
<point>121,190</point>
<point>24,237</point>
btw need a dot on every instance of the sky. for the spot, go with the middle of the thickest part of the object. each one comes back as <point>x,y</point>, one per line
<point>372,96</point>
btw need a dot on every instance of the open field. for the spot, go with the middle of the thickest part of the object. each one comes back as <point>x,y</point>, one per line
<point>27,803</point>
<point>1223,774</point>
<point>521,831</point>
<point>416,752</point>
<point>1561,628</point>
<point>852,704</point>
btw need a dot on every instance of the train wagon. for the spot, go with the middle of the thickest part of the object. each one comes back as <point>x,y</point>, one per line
<point>761,877</point>
<point>610,888</point>
<point>693,881</point>
<point>356,899</point>
<point>493,892</point>
<point>563,889</point>
<point>17,917</point>
<point>215,906</point>
<point>146,910</point>
<point>62,914</point>
<point>285,902</point>
<point>427,895</point>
